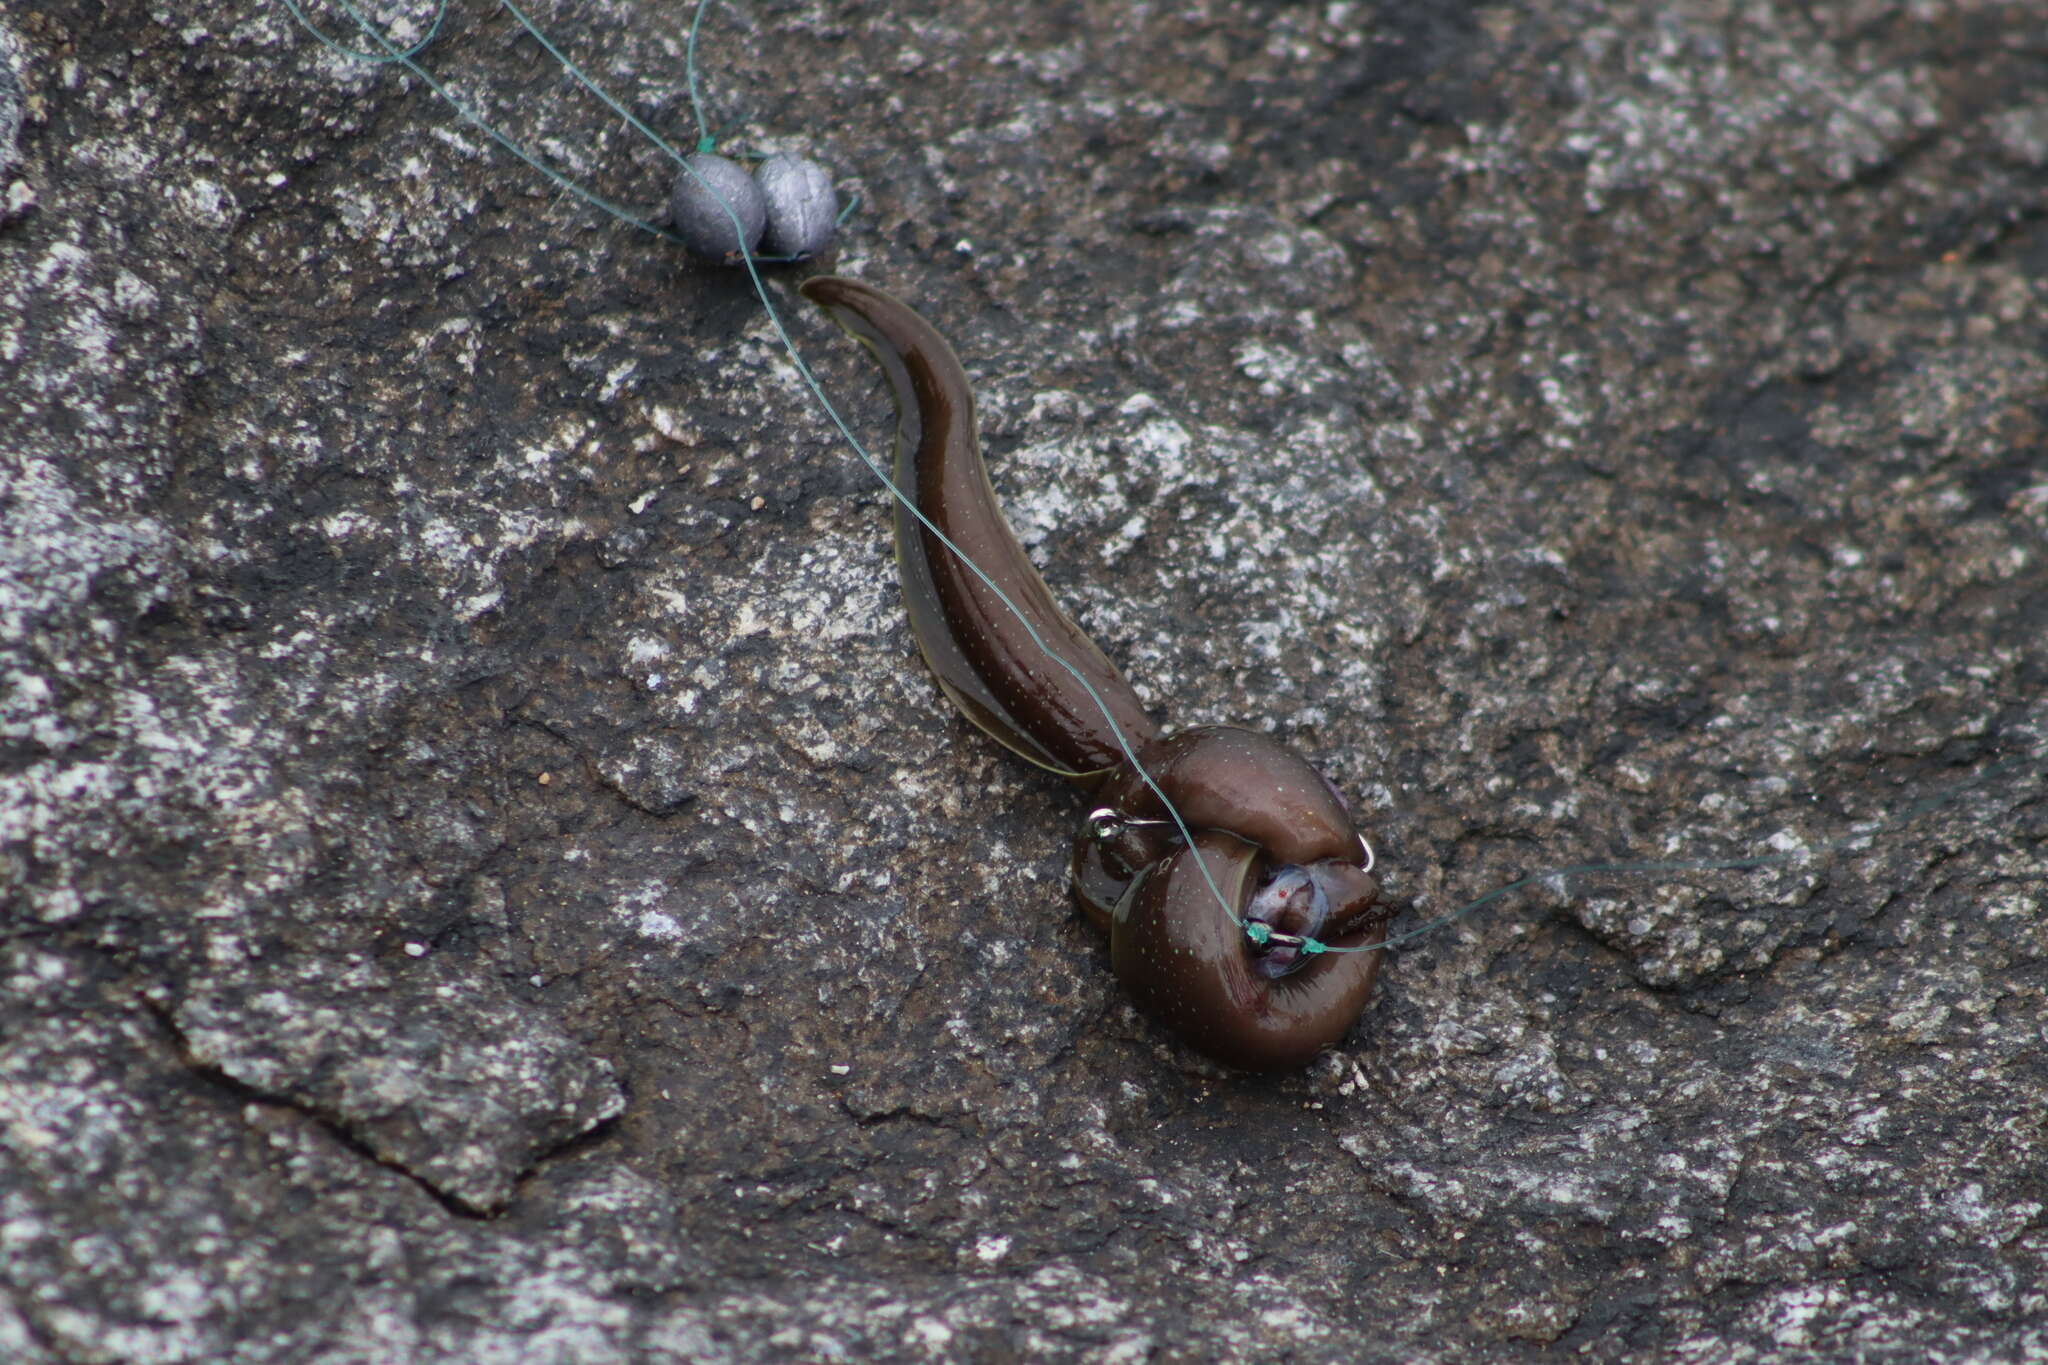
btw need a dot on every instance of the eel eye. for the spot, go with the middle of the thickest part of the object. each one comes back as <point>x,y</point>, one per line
<point>1290,904</point>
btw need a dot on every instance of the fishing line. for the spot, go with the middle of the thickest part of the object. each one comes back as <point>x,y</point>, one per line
<point>393,55</point>
<point>1668,867</point>
<point>748,259</point>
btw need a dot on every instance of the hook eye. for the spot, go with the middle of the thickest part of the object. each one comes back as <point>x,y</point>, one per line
<point>1106,822</point>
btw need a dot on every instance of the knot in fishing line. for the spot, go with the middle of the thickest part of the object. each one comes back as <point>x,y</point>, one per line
<point>722,214</point>
<point>1264,936</point>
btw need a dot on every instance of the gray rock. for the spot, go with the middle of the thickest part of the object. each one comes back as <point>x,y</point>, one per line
<point>11,101</point>
<point>1594,434</point>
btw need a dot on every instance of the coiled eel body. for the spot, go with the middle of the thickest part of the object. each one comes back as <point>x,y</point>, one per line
<point>1274,835</point>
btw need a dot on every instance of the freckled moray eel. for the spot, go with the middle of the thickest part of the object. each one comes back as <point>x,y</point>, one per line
<point>1259,992</point>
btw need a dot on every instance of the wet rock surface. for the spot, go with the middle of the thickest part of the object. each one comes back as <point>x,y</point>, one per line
<point>487,879</point>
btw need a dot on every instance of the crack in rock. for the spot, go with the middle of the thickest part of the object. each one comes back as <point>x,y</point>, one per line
<point>442,1076</point>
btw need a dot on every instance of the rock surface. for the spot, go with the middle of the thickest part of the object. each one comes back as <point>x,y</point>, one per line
<point>486,878</point>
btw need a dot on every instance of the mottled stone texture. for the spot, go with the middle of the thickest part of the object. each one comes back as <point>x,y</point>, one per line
<point>487,880</point>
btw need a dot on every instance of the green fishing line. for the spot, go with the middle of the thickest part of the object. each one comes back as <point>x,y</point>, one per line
<point>1671,867</point>
<point>405,58</point>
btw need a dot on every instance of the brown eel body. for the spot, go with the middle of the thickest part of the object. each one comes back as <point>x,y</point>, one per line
<point>1274,835</point>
